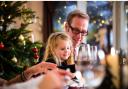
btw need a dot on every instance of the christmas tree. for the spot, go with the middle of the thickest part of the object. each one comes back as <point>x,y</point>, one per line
<point>16,50</point>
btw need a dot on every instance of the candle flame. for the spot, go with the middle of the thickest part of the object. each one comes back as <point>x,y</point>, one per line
<point>113,51</point>
<point>101,54</point>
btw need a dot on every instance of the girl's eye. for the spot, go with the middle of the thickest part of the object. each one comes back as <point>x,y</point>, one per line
<point>68,48</point>
<point>65,48</point>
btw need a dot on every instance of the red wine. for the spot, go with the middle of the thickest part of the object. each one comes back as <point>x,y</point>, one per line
<point>83,63</point>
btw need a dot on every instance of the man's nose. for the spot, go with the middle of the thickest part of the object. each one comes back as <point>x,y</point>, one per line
<point>79,36</point>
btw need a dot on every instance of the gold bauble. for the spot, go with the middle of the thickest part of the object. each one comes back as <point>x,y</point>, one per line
<point>21,37</point>
<point>14,59</point>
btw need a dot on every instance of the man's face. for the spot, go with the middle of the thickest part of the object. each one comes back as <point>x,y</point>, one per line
<point>78,30</point>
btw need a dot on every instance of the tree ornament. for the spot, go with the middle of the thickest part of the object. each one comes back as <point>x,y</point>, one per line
<point>1,19</point>
<point>24,42</point>
<point>14,59</point>
<point>1,28</point>
<point>35,50</point>
<point>1,45</point>
<point>16,39</point>
<point>21,37</point>
<point>36,56</point>
<point>9,17</point>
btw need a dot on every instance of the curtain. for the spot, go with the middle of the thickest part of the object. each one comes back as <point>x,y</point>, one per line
<point>48,12</point>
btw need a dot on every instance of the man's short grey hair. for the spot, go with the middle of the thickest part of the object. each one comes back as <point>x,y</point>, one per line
<point>76,13</point>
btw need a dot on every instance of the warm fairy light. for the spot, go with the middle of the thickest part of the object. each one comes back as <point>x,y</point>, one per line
<point>65,7</point>
<point>2,20</point>
<point>100,24</point>
<point>94,21</point>
<point>106,22</point>
<point>5,5</point>
<point>113,52</point>
<point>9,17</point>
<point>59,18</point>
<point>101,14</point>
<point>21,37</point>
<point>102,21</point>
<point>58,21</point>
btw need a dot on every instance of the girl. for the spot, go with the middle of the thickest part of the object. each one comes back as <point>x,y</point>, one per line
<point>59,51</point>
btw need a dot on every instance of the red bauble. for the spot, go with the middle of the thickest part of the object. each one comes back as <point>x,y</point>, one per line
<point>35,50</point>
<point>1,45</point>
<point>36,56</point>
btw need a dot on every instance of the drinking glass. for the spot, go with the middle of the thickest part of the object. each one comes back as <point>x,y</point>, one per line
<point>88,64</point>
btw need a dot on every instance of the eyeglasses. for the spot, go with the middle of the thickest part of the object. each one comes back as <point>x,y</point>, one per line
<point>77,31</point>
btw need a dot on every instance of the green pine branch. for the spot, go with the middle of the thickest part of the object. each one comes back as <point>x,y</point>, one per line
<point>15,47</point>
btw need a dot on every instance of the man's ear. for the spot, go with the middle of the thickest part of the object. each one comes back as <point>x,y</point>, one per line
<point>66,27</point>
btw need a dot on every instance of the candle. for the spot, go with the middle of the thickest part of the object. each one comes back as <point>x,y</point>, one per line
<point>113,62</point>
<point>32,35</point>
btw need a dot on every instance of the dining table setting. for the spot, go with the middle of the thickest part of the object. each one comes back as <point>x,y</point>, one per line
<point>97,70</point>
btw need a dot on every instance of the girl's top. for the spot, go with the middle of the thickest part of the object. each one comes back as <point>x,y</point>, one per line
<point>63,65</point>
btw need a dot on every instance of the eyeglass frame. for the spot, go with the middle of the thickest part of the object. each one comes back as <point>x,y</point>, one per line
<point>76,31</point>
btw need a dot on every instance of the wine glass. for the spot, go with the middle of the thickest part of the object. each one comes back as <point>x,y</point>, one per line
<point>88,64</point>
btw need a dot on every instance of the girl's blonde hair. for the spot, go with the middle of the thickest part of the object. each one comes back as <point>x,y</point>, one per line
<point>52,44</point>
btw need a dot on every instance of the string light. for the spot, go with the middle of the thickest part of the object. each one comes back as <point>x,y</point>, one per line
<point>65,7</point>
<point>101,14</point>
<point>5,5</point>
<point>58,21</point>
<point>106,22</point>
<point>21,37</point>
<point>100,24</point>
<point>102,21</point>
<point>94,21</point>
<point>59,18</point>
<point>9,17</point>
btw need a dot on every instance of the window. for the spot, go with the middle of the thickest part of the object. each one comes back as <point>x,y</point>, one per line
<point>100,13</point>
<point>62,9</point>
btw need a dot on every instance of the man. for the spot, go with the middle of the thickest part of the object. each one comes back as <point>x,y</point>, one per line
<point>53,78</point>
<point>76,26</point>
<point>35,70</point>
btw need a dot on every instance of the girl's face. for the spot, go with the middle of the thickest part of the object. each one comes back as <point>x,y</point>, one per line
<point>63,49</point>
